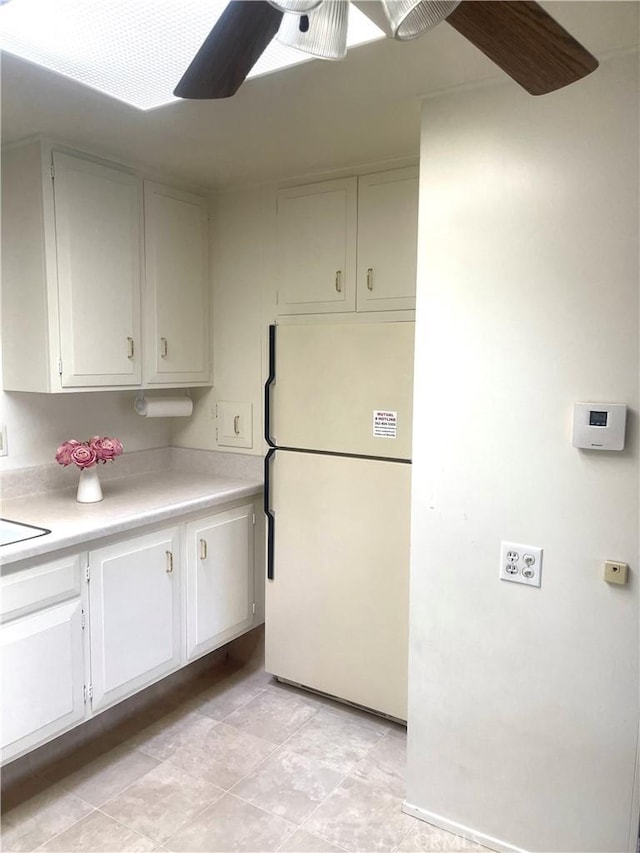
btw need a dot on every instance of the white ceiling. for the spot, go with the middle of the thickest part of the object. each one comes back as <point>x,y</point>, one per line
<point>309,119</point>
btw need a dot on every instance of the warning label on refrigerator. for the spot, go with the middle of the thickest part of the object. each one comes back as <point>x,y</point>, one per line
<point>385,424</point>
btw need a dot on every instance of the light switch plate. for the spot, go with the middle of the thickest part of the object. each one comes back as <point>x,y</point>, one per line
<point>234,424</point>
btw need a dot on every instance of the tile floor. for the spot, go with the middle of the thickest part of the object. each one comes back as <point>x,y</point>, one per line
<point>232,761</point>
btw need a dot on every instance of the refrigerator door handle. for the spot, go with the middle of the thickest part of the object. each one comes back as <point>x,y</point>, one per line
<point>271,521</point>
<point>267,388</point>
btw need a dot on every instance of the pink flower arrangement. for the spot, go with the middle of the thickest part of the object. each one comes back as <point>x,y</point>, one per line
<point>84,454</point>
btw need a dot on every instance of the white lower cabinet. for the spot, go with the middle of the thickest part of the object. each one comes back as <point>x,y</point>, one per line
<point>134,606</point>
<point>41,655</point>
<point>81,633</point>
<point>219,578</point>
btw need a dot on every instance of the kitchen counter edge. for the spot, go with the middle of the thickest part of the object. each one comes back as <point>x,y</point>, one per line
<point>128,503</point>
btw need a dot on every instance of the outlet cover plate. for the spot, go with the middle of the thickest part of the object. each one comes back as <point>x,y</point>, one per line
<point>521,563</point>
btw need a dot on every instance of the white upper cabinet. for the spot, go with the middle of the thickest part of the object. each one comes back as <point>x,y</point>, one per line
<point>73,253</point>
<point>98,252</point>
<point>317,248</point>
<point>177,286</point>
<point>349,245</point>
<point>387,240</point>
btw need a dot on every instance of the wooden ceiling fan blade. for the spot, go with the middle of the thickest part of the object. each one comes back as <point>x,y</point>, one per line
<point>525,41</point>
<point>230,51</point>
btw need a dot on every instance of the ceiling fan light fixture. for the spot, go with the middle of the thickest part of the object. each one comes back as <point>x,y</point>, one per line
<point>326,34</point>
<point>295,7</point>
<point>411,18</point>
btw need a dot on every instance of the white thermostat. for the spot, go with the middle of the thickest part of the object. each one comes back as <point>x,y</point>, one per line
<point>599,426</point>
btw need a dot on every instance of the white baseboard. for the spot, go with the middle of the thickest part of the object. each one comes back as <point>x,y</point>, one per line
<point>459,829</point>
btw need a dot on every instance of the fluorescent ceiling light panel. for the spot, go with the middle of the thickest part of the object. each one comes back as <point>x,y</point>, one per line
<point>133,50</point>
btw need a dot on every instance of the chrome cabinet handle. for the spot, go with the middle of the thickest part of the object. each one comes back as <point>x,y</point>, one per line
<point>130,347</point>
<point>236,425</point>
<point>164,345</point>
<point>169,568</point>
<point>370,278</point>
<point>203,549</point>
<point>339,281</point>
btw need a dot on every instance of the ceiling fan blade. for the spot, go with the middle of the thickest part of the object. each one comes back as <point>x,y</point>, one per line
<point>525,41</point>
<point>230,51</point>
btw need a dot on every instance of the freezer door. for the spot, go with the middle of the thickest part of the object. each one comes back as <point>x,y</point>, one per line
<point>331,379</point>
<point>337,607</point>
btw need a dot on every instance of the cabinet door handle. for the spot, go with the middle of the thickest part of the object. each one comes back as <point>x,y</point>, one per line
<point>370,278</point>
<point>339,281</point>
<point>169,568</point>
<point>236,425</point>
<point>130,347</point>
<point>203,549</point>
<point>164,348</point>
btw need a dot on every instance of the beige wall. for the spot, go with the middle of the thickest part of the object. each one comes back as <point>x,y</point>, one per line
<point>523,717</point>
<point>242,244</point>
<point>38,423</point>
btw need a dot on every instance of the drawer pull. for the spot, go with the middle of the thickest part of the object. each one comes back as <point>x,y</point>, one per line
<point>370,278</point>
<point>130,347</point>
<point>203,549</point>
<point>339,281</point>
<point>169,562</point>
<point>236,425</point>
<point>164,345</point>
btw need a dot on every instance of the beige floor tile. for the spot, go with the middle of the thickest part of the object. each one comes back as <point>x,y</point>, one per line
<point>424,838</point>
<point>304,842</point>
<point>224,698</point>
<point>272,717</point>
<point>161,802</point>
<point>231,824</point>
<point>222,756</point>
<point>39,817</point>
<point>385,764</point>
<point>104,777</point>
<point>339,741</point>
<point>289,785</point>
<point>360,816</point>
<point>164,737</point>
<point>97,832</point>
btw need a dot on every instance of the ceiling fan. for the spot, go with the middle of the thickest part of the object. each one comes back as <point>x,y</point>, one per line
<point>518,35</point>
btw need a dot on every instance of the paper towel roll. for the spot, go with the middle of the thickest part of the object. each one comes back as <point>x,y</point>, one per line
<point>164,407</point>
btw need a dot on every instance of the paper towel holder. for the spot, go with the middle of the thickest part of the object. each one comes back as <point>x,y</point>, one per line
<point>139,402</point>
<point>142,405</point>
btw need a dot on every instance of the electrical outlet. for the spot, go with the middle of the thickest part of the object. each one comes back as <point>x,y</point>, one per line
<point>4,447</point>
<point>520,563</point>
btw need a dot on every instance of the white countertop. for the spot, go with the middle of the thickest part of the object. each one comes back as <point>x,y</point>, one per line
<point>127,503</point>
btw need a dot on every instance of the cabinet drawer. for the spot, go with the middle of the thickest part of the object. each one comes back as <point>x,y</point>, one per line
<point>38,587</point>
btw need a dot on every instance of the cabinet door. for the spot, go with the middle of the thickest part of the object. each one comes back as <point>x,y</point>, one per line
<point>177,286</point>
<point>134,605</point>
<point>317,248</point>
<point>387,240</point>
<point>42,676</point>
<point>97,214</point>
<point>219,579</point>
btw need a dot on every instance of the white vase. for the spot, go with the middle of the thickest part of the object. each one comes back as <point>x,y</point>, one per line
<point>89,489</point>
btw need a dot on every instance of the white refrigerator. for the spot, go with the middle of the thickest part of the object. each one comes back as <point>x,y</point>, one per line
<point>338,410</point>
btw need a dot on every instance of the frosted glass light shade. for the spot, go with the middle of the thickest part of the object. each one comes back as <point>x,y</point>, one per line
<point>411,18</point>
<point>326,36</point>
<point>297,7</point>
